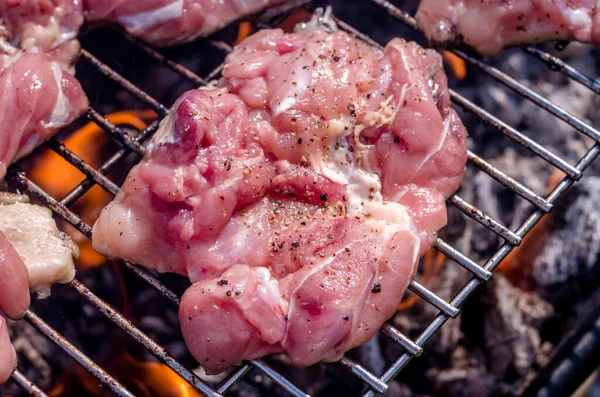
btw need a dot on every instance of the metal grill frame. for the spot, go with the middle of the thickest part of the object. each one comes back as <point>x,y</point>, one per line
<point>413,348</point>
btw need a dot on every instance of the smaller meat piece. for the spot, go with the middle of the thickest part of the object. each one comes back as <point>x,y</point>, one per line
<point>8,357</point>
<point>49,26</point>
<point>38,94</point>
<point>47,252</point>
<point>168,22</point>
<point>14,281</point>
<point>37,98</point>
<point>491,25</point>
<point>14,300</point>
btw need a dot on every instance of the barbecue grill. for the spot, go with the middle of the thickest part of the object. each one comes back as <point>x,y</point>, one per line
<point>375,383</point>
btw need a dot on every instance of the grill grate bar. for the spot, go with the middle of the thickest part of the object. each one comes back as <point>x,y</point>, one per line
<point>364,374</point>
<point>76,354</point>
<point>516,136</point>
<point>434,299</point>
<point>397,336</point>
<point>234,378</point>
<point>24,383</point>
<point>155,349</point>
<point>161,59</point>
<point>558,64</point>
<point>532,96</point>
<point>106,167</point>
<point>475,213</point>
<point>153,281</point>
<point>115,131</point>
<point>84,167</point>
<point>462,260</point>
<point>280,380</point>
<point>126,84</point>
<point>509,182</point>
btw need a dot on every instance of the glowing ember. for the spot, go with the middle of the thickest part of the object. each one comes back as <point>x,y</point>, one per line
<point>457,65</point>
<point>245,30</point>
<point>518,265</point>
<point>432,266</point>
<point>145,379</point>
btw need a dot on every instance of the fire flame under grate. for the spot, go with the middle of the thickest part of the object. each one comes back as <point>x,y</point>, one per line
<point>447,309</point>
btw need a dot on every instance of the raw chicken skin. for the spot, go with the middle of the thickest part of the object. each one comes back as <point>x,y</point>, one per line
<point>46,252</point>
<point>489,26</point>
<point>169,22</point>
<point>279,194</point>
<point>37,98</point>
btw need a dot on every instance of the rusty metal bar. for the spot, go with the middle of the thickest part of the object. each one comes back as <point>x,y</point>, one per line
<point>24,383</point>
<point>111,383</point>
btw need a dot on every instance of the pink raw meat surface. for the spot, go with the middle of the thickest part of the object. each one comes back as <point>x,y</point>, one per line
<point>489,26</point>
<point>38,94</point>
<point>169,22</point>
<point>297,197</point>
<point>49,26</point>
<point>14,301</point>
<point>37,98</point>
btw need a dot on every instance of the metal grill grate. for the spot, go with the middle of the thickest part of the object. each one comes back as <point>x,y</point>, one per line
<point>447,310</point>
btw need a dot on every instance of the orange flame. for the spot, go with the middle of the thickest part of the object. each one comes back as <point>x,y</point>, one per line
<point>457,65</point>
<point>433,261</point>
<point>57,177</point>
<point>517,266</point>
<point>146,379</point>
<point>244,30</point>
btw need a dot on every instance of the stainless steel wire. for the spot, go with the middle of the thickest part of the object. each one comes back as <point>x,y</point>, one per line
<point>375,384</point>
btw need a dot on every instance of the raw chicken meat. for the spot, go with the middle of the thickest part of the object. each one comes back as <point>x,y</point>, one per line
<point>49,26</point>
<point>169,22</point>
<point>14,301</point>
<point>14,283</point>
<point>37,98</point>
<point>278,194</point>
<point>47,252</point>
<point>38,95</point>
<point>489,26</point>
<point>8,357</point>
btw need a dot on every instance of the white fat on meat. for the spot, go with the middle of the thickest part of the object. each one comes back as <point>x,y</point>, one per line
<point>46,251</point>
<point>60,116</point>
<point>155,17</point>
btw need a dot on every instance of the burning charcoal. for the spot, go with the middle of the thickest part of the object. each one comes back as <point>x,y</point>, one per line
<point>573,250</point>
<point>472,382</point>
<point>510,327</point>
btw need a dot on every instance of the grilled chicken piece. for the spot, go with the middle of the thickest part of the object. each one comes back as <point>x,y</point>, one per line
<point>169,22</point>
<point>279,194</point>
<point>491,25</point>
<point>47,252</point>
